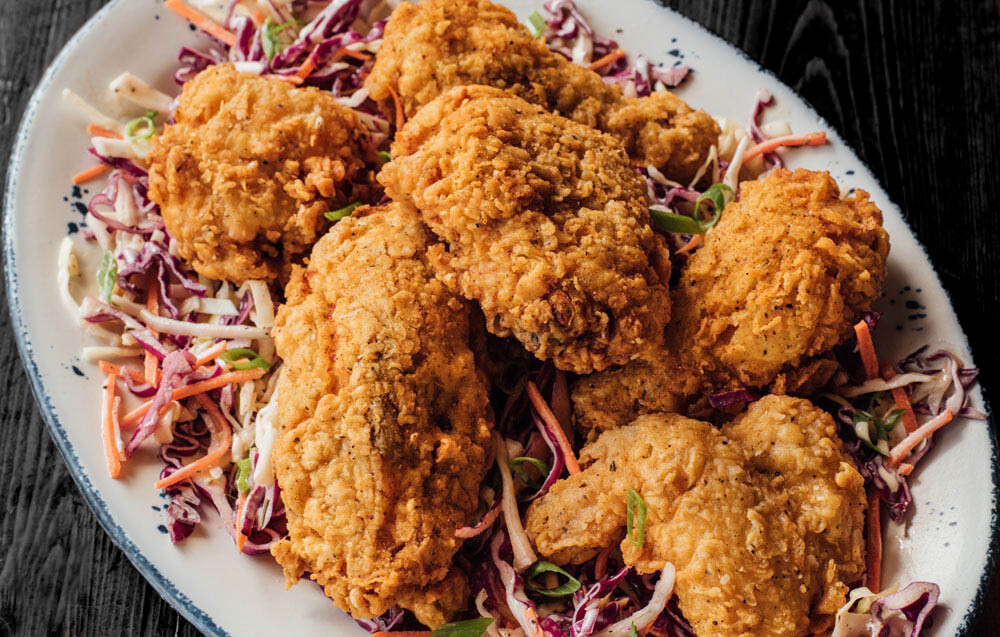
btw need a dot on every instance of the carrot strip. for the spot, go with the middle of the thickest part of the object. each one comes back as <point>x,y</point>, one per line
<point>210,355</point>
<point>90,173</point>
<point>400,114</point>
<point>200,20</point>
<point>610,58</point>
<point>136,414</point>
<point>257,17</point>
<point>902,401</point>
<point>867,349</point>
<point>553,423</point>
<point>308,66</point>
<point>151,365</point>
<point>693,243</point>
<point>533,619</point>
<point>99,131</point>
<point>907,444</point>
<point>905,468</point>
<point>110,414</point>
<point>218,426</point>
<point>873,538</point>
<point>769,145</point>
<point>601,563</point>
<point>241,539</point>
<point>402,633</point>
<point>357,55</point>
<point>118,370</point>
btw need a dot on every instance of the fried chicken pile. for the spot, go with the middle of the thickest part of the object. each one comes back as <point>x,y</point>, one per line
<point>249,166</point>
<point>385,421</point>
<point>779,282</point>
<point>540,220</point>
<point>762,520</point>
<point>439,44</point>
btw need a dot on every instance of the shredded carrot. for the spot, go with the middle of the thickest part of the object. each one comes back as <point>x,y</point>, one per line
<point>90,173</point>
<point>308,66</point>
<point>769,145</point>
<point>203,22</point>
<point>257,17</point>
<point>402,633</point>
<point>151,365</point>
<point>533,619</point>
<point>357,55</point>
<point>241,538</point>
<point>118,370</point>
<point>601,563</point>
<point>905,468</point>
<point>693,243</point>
<point>110,414</point>
<point>614,56</point>
<point>219,426</point>
<point>400,114</point>
<point>867,350</point>
<point>99,131</point>
<point>291,79</point>
<point>873,538</point>
<point>210,355</point>
<point>195,389</point>
<point>550,419</point>
<point>902,401</point>
<point>907,444</point>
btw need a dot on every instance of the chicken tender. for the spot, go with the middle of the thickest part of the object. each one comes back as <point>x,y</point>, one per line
<point>780,280</point>
<point>249,166</point>
<point>542,221</point>
<point>763,521</point>
<point>385,421</point>
<point>439,44</point>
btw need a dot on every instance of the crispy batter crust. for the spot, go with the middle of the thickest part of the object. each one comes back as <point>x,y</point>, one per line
<point>247,170</point>
<point>780,280</point>
<point>541,220</point>
<point>385,421</point>
<point>439,44</point>
<point>763,521</point>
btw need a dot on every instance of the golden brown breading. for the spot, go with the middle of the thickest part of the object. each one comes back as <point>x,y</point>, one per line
<point>385,421</point>
<point>779,281</point>
<point>247,170</point>
<point>755,552</point>
<point>542,221</point>
<point>439,44</point>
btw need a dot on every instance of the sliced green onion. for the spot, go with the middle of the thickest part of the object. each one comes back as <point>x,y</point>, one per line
<point>141,127</point>
<point>236,355</point>
<point>107,275</point>
<point>337,215</point>
<point>518,469</point>
<point>635,518</point>
<point>242,475</point>
<point>537,24</point>
<point>632,632</point>
<point>571,586</point>
<point>467,628</point>
<point>716,193</point>
<point>673,222</point>
<point>877,428</point>
<point>384,156</point>
<point>269,37</point>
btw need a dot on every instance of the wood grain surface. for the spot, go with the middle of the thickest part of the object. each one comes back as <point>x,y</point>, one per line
<point>912,85</point>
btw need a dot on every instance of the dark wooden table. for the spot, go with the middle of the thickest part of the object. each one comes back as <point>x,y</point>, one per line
<point>914,87</point>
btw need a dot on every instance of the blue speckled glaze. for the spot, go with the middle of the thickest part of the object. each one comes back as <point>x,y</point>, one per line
<point>165,587</point>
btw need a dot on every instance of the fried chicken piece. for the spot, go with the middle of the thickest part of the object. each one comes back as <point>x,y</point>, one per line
<point>439,44</point>
<point>780,280</point>
<point>541,220</point>
<point>249,166</point>
<point>385,421</point>
<point>763,521</point>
